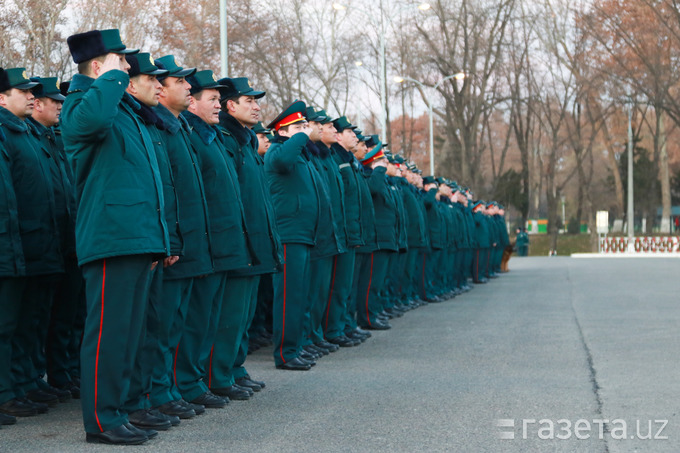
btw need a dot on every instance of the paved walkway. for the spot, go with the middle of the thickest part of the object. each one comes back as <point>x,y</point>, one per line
<point>557,340</point>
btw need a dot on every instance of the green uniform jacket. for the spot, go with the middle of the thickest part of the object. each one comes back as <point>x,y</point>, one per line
<point>293,183</point>
<point>11,253</point>
<point>259,212</point>
<point>64,195</point>
<point>32,181</point>
<point>153,125</point>
<point>482,233</point>
<point>192,208</point>
<point>351,172</point>
<point>503,230</point>
<point>402,218</point>
<point>228,235</point>
<point>329,170</point>
<point>328,242</point>
<point>386,211</point>
<point>434,220</point>
<point>415,213</point>
<point>367,214</point>
<point>464,237</point>
<point>118,186</point>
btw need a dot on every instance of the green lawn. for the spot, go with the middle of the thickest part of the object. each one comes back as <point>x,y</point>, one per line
<point>539,244</point>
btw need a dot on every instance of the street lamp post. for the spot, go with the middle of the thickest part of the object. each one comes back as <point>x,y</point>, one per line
<point>383,70</point>
<point>224,55</point>
<point>430,111</point>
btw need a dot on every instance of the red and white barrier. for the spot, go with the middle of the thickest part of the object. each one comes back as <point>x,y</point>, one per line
<point>645,244</point>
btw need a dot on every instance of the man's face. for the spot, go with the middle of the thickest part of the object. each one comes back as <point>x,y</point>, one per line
<point>47,111</point>
<point>328,134</point>
<point>19,102</point>
<point>263,144</point>
<point>146,88</point>
<point>175,94</point>
<point>391,170</point>
<point>294,129</point>
<point>348,139</point>
<point>246,110</point>
<point>315,136</point>
<point>360,150</point>
<point>208,107</point>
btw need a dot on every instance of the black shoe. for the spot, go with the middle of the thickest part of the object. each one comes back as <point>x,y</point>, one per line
<point>307,356</point>
<point>250,391</point>
<point>17,408</point>
<point>210,400</point>
<point>173,419</point>
<point>378,326</point>
<point>297,364</point>
<point>245,382</point>
<point>355,336</point>
<point>198,408</point>
<point>233,393</point>
<point>7,419</point>
<point>73,389</point>
<point>330,347</point>
<point>62,394</point>
<point>40,407</point>
<point>145,419</point>
<point>310,362</point>
<point>173,408</point>
<point>343,341</point>
<point>363,332</point>
<point>40,396</point>
<point>316,349</point>
<point>150,433</point>
<point>117,436</point>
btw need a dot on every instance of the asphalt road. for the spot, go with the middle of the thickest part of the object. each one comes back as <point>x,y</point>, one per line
<point>567,343</point>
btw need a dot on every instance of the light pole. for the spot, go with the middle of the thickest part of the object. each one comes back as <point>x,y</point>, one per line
<point>630,215</point>
<point>223,39</point>
<point>458,76</point>
<point>383,72</point>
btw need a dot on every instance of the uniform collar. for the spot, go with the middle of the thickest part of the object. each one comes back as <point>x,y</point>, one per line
<point>80,82</point>
<point>243,135</point>
<point>205,131</point>
<point>171,123</point>
<point>11,121</point>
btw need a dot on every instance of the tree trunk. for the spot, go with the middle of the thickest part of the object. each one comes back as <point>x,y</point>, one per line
<point>664,176</point>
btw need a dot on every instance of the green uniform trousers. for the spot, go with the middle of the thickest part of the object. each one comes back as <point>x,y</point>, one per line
<point>117,292</point>
<point>361,267</point>
<point>28,343</point>
<point>322,281</point>
<point>176,299</point>
<point>70,296</point>
<point>291,297</point>
<point>371,284</point>
<point>11,289</point>
<point>341,295</point>
<point>238,371</point>
<point>200,327</point>
<point>240,296</point>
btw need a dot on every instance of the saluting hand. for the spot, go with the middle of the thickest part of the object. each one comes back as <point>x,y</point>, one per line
<point>169,261</point>
<point>111,62</point>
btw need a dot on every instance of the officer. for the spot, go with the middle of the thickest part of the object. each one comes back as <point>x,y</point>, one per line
<point>387,239</point>
<point>121,232</point>
<point>262,134</point>
<point>240,111</point>
<point>31,178</point>
<point>12,283</point>
<point>483,241</point>
<point>229,241</point>
<point>56,321</point>
<point>195,262</point>
<point>293,186</point>
<point>352,177</point>
<point>144,90</point>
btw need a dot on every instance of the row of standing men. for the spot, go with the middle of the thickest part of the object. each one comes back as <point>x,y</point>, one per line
<point>188,212</point>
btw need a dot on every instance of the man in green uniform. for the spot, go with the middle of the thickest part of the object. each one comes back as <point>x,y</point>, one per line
<point>229,244</point>
<point>293,187</point>
<point>57,318</point>
<point>262,134</point>
<point>144,90</point>
<point>12,283</point>
<point>240,110</point>
<point>483,241</point>
<point>32,181</point>
<point>121,232</point>
<point>195,262</point>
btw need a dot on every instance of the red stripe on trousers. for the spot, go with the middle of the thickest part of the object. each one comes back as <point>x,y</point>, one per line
<point>370,279</point>
<point>174,365</point>
<point>99,342</point>
<point>283,329</point>
<point>210,367</point>
<point>330,296</point>
<point>424,282</point>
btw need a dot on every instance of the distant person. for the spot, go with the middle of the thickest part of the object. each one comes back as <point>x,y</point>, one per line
<point>522,242</point>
